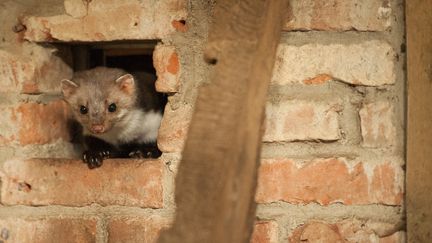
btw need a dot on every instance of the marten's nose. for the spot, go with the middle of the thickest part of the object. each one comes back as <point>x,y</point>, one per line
<point>97,128</point>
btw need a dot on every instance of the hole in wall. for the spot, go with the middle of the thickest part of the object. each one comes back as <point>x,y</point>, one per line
<point>133,57</point>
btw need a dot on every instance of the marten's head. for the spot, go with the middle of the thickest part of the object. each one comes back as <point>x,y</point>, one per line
<point>100,97</point>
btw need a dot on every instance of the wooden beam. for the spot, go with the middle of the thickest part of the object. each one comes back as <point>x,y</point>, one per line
<point>419,137</point>
<point>216,180</point>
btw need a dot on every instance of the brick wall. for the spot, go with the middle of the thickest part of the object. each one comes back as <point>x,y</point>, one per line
<point>332,166</point>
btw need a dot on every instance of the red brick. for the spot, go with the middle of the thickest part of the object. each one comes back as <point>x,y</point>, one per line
<point>316,232</point>
<point>15,73</point>
<point>386,182</point>
<point>70,182</point>
<point>34,123</point>
<point>63,230</point>
<point>377,124</point>
<point>301,120</point>
<point>32,69</point>
<point>327,181</point>
<point>173,129</point>
<point>8,126</point>
<point>180,25</point>
<point>339,15</point>
<point>343,231</point>
<point>43,123</point>
<point>136,229</point>
<point>318,63</point>
<point>133,20</point>
<point>265,232</point>
<point>167,65</point>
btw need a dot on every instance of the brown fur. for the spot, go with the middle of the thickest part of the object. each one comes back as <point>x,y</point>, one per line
<point>97,89</point>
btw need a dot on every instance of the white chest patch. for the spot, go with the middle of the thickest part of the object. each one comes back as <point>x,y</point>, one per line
<point>137,126</point>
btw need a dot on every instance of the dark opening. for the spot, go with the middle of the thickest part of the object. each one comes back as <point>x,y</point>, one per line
<point>130,56</point>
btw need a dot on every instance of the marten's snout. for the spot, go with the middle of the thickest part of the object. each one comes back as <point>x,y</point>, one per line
<point>97,128</point>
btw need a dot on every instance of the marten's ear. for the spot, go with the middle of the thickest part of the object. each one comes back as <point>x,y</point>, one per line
<point>68,87</point>
<point>126,83</point>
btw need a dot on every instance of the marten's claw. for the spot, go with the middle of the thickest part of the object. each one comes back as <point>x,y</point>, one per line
<point>145,153</point>
<point>93,159</point>
<point>105,154</point>
<point>136,154</point>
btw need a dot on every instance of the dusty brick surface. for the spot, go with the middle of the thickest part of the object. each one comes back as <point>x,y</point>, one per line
<point>398,237</point>
<point>301,120</point>
<point>316,232</point>
<point>15,72</point>
<point>368,63</point>
<point>70,182</point>
<point>173,129</point>
<point>65,230</point>
<point>341,232</point>
<point>377,124</point>
<point>338,15</point>
<point>327,181</point>
<point>32,69</point>
<point>76,8</point>
<point>287,121</point>
<point>166,63</point>
<point>43,123</point>
<point>134,19</point>
<point>265,232</point>
<point>8,126</point>
<point>136,229</point>
<point>34,123</point>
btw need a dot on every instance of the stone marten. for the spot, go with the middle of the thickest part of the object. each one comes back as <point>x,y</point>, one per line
<point>120,113</point>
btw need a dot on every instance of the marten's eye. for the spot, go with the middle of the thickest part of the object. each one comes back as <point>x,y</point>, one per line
<point>112,107</point>
<point>83,110</point>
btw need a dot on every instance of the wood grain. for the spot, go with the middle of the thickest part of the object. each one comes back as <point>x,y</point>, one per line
<point>419,137</point>
<point>216,181</point>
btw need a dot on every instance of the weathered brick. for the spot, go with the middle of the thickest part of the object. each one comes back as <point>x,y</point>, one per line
<point>15,73</point>
<point>301,120</point>
<point>265,232</point>
<point>343,231</point>
<point>316,232</point>
<point>70,182</point>
<point>47,230</point>
<point>136,229</point>
<point>180,25</point>
<point>9,10</point>
<point>166,63</point>
<point>398,237</point>
<point>32,69</point>
<point>377,124</point>
<point>34,123</point>
<point>76,8</point>
<point>8,126</point>
<point>368,63</point>
<point>43,123</point>
<point>339,15</point>
<point>327,181</point>
<point>134,19</point>
<point>287,121</point>
<point>173,129</point>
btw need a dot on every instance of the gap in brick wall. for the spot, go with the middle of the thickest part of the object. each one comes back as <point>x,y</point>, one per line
<point>132,56</point>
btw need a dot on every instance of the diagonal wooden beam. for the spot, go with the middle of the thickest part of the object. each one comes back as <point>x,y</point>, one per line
<point>419,134</point>
<point>216,180</point>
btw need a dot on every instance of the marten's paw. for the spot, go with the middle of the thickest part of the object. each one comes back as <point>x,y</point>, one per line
<point>94,159</point>
<point>145,153</point>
